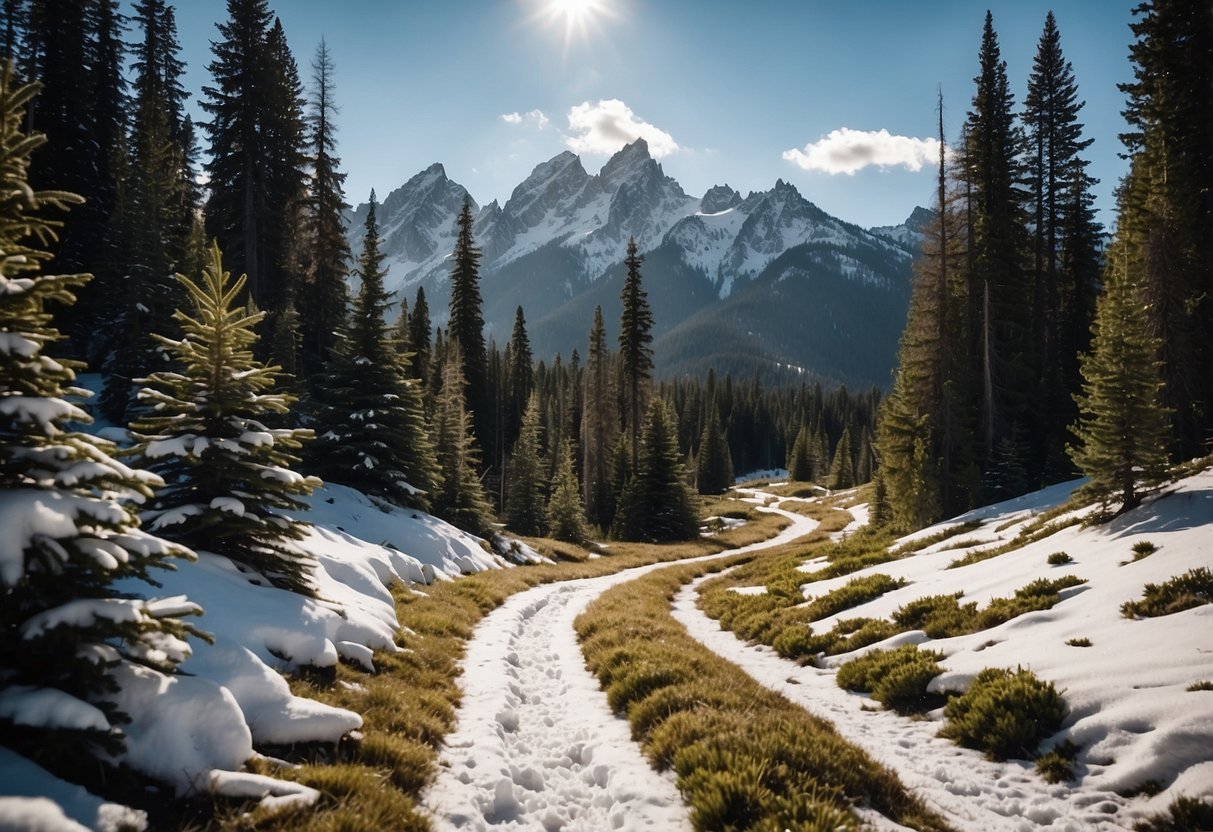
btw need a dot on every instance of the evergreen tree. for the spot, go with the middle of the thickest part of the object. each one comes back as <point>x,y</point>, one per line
<point>842,469</point>
<point>521,380</point>
<point>566,516</point>
<point>66,505</point>
<point>157,212</point>
<point>460,498</point>
<point>1065,245</point>
<point>714,468</point>
<point>525,513</point>
<point>256,144</point>
<point>419,336</point>
<point>325,299</point>
<point>621,475</point>
<point>635,335</point>
<point>1122,426</point>
<point>370,415</point>
<point>599,429</point>
<point>1165,220</point>
<point>800,460</point>
<point>228,477</point>
<point>656,504</point>
<point>999,302</point>
<point>466,326</point>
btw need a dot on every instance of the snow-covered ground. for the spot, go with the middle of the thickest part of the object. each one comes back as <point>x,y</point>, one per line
<point>194,731</point>
<point>1131,711</point>
<point>537,746</point>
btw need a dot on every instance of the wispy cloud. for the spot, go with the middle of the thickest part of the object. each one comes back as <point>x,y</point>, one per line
<point>533,118</point>
<point>604,127</point>
<point>847,151</point>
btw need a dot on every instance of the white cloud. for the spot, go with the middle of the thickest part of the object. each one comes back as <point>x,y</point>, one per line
<point>604,127</point>
<point>534,118</point>
<point>846,151</point>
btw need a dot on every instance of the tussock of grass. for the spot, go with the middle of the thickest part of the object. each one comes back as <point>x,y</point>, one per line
<point>1079,642</point>
<point>1057,766</point>
<point>1203,684</point>
<point>1060,559</point>
<point>1183,592</point>
<point>896,678</point>
<point>1004,713</point>
<point>744,757</point>
<point>1186,814</point>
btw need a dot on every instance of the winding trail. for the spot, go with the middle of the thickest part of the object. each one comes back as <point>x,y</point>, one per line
<point>536,746</point>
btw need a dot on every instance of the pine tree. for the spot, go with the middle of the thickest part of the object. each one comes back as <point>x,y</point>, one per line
<point>466,326</point>
<point>999,302</point>
<point>370,416</point>
<point>800,460</point>
<point>656,504</point>
<point>525,513</point>
<point>1123,425</point>
<point>1165,220</point>
<point>566,515</point>
<point>460,498</point>
<point>158,206</point>
<point>419,336</point>
<point>714,468</point>
<point>599,429</point>
<point>228,477</point>
<point>66,504</point>
<point>635,336</point>
<point>256,143</point>
<point>325,299</point>
<point>521,380</point>
<point>1065,244</point>
<point>842,469</point>
<point>621,476</point>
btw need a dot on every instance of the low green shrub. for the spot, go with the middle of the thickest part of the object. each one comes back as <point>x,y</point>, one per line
<point>1203,684</point>
<point>851,594</point>
<point>1057,766</point>
<point>1041,594</point>
<point>1183,592</point>
<point>1143,549</point>
<point>896,678</point>
<point>1079,642</point>
<point>1004,713</point>
<point>1186,814</point>
<point>1060,559</point>
<point>939,616</point>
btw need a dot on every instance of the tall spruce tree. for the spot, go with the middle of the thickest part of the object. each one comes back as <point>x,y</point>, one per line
<point>66,504</point>
<point>599,428</point>
<point>460,497</point>
<point>656,504</point>
<point>635,336</point>
<point>228,477</point>
<point>521,381</point>
<point>842,469</point>
<point>323,296</point>
<point>466,326</point>
<point>1165,221</point>
<point>714,467</point>
<point>800,458</point>
<point>525,512</point>
<point>566,515</point>
<point>999,300</point>
<point>1122,426</point>
<point>419,336</point>
<point>1064,247</point>
<point>256,149</point>
<point>370,416</point>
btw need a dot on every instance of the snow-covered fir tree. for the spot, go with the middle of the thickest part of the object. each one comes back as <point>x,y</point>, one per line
<point>69,526</point>
<point>229,478</point>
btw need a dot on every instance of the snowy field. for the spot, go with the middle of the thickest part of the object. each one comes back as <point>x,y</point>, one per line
<point>1131,711</point>
<point>196,730</point>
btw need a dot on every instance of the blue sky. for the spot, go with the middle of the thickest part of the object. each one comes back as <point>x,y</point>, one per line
<point>727,90</point>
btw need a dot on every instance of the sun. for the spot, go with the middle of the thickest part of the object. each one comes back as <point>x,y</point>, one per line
<point>579,17</point>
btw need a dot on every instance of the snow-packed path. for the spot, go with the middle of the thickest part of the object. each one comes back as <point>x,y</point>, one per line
<point>968,790</point>
<point>536,746</point>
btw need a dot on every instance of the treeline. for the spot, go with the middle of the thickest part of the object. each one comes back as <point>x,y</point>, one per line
<point>1003,384</point>
<point>418,417</point>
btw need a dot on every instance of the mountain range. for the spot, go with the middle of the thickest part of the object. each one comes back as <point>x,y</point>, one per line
<point>767,281</point>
